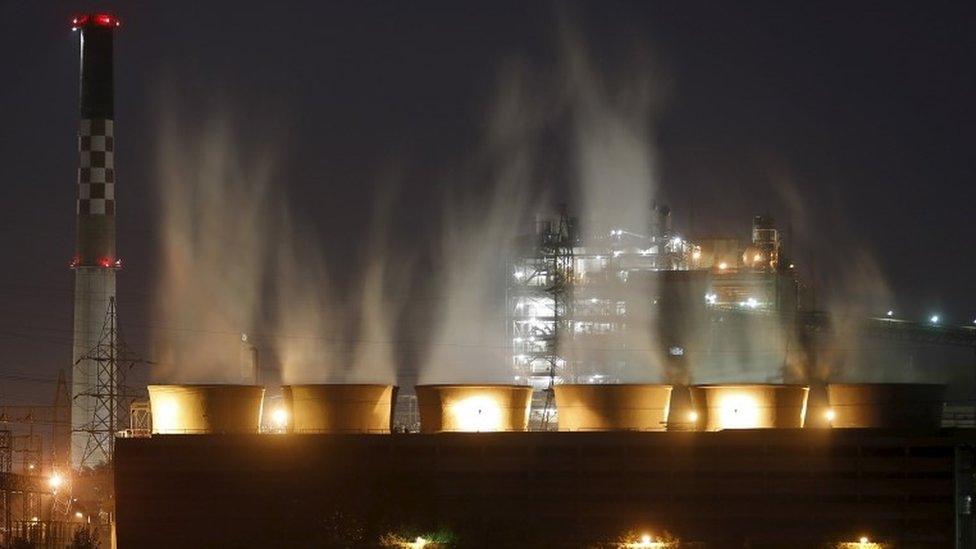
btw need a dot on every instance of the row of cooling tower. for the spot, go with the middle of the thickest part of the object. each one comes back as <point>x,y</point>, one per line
<point>348,408</point>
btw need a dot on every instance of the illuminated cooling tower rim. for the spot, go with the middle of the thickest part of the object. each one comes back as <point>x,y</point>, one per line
<point>206,408</point>
<point>338,407</point>
<point>886,405</point>
<point>613,407</point>
<point>749,406</point>
<point>473,407</point>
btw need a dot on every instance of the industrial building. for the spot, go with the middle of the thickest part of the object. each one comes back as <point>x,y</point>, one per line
<point>628,410</point>
<point>750,473</point>
<point>629,306</point>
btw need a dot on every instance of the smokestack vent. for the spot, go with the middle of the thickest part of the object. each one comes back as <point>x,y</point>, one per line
<point>339,408</point>
<point>473,408</point>
<point>618,407</point>
<point>754,406</point>
<point>205,409</point>
<point>886,405</point>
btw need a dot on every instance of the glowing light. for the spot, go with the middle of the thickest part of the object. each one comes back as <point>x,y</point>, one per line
<point>934,319</point>
<point>30,466</point>
<point>752,303</point>
<point>693,416</point>
<point>519,275</point>
<point>280,418</point>
<point>419,543</point>
<point>722,266</point>
<point>830,415</point>
<point>862,543</point>
<point>646,541</point>
<point>55,481</point>
<point>711,299</point>
<point>477,413</point>
<point>616,253</point>
<point>696,255</point>
<point>79,515</point>
<point>890,314</point>
<point>757,258</point>
<point>738,411</point>
<point>167,417</point>
<point>106,20</point>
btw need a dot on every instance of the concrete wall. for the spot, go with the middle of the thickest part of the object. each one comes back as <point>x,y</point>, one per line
<point>774,488</point>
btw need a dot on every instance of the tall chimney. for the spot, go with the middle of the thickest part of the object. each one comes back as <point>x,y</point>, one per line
<point>93,384</point>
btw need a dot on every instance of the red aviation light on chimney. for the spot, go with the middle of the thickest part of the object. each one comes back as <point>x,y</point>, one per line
<point>109,263</point>
<point>97,19</point>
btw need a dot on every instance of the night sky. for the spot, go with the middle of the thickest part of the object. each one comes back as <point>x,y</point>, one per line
<point>851,123</point>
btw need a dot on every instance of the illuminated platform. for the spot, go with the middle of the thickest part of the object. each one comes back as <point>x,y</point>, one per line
<point>772,488</point>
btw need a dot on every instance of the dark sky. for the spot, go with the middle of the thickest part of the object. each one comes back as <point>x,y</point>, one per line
<point>859,115</point>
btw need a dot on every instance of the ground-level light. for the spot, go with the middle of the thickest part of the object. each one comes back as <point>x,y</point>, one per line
<point>55,481</point>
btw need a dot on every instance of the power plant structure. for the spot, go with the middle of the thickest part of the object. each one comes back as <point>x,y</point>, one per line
<point>612,308</point>
<point>747,470</point>
<point>581,446</point>
<point>94,375</point>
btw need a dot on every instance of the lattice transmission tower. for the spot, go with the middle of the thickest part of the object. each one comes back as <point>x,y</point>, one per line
<point>112,361</point>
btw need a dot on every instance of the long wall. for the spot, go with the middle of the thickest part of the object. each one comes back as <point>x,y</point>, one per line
<point>774,488</point>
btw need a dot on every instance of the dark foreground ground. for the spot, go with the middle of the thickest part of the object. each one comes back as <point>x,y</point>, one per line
<point>764,488</point>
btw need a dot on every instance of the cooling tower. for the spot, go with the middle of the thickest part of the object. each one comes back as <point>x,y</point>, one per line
<point>623,407</point>
<point>473,408</point>
<point>753,406</point>
<point>339,408</point>
<point>884,405</point>
<point>206,409</point>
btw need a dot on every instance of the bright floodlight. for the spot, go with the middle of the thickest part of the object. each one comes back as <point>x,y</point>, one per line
<point>890,313</point>
<point>419,543</point>
<point>830,415</point>
<point>934,319</point>
<point>55,481</point>
<point>167,417</point>
<point>280,418</point>
<point>723,265</point>
<point>693,416</point>
<point>863,539</point>
<point>646,539</point>
<point>478,413</point>
<point>738,411</point>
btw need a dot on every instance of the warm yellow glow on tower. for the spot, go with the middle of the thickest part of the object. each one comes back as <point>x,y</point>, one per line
<point>477,413</point>
<point>738,411</point>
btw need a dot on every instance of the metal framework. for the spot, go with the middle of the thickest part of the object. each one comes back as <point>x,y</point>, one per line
<point>113,360</point>
<point>543,301</point>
